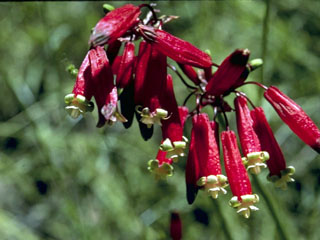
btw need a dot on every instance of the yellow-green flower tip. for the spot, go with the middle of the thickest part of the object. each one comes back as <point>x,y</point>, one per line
<point>150,118</point>
<point>166,145</point>
<point>77,105</point>
<point>255,161</point>
<point>281,182</point>
<point>177,150</point>
<point>160,172</point>
<point>213,184</point>
<point>245,206</point>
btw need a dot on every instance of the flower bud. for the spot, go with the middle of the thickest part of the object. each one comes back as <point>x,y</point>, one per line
<point>228,73</point>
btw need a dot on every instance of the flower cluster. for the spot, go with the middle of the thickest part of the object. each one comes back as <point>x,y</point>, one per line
<point>125,84</point>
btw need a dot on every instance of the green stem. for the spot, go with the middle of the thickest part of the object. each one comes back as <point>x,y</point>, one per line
<point>223,222</point>
<point>271,206</point>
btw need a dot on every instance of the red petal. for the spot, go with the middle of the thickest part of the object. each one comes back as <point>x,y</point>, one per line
<point>228,73</point>
<point>183,113</point>
<point>192,171</point>
<point>181,51</point>
<point>190,73</point>
<point>276,162</point>
<point>171,128</point>
<point>294,116</point>
<point>141,71</point>
<point>83,84</point>
<point>248,138</point>
<point>236,172</point>
<point>206,146</point>
<point>125,70</point>
<point>103,78</point>
<point>114,25</point>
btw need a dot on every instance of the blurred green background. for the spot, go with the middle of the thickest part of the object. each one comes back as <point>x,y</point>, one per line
<point>65,179</point>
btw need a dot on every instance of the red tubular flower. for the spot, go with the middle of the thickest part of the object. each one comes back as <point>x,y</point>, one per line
<point>294,116</point>
<point>237,175</point>
<point>254,158</point>
<point>140,75</point>
<point>192,171</point>
<point>175,226</point>
<point>280,174</point>
<point>211,178</point>
<point>102,76</point>
<point>125,70</point>
<point>181,51</point>
<point>228,73</point>
<point>183,113</point>
<point>110,108</point>
<point>152,109</point>
<point>141,71</point>
<point>114,25</point>
<point>172,130</point>
<point>79,100</point>
<point>175,48</point>
<point>190,73</point>
<point>215,127</point>
<point>161,166</point>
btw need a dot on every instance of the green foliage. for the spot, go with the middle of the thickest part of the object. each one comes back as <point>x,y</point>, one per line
<point>65,179</point>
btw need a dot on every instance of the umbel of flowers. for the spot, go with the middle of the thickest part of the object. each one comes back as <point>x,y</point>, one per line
<point>126,84</point>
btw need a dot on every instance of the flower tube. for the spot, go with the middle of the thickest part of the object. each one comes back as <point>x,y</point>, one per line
<point>161,166</point>
<point>210,176</point>
<point>253,158</point>
<point>237,175</point>
<point>279,173</point>
<point>115,24</point>
<point>79,100</point>
<point>172,130</point>
<point>294,116</point>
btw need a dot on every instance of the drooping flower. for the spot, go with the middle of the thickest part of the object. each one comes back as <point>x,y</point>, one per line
<point>228,73</point>
<point>114,25</point>
<point>151,103</point>
<point>237,175</point>
<point>172,129</point>
<point>279,173</point>
<point>125,70</point>
<point>102,76</point>
<point>175,48</point>
<point>161,166</point>
<point>192,171</point>
<point>79,100</point>
<point>294,116</point>
<point>254,158</point>
<point>175,226</point>
<point>206,148</point>
<point>140,75</point>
